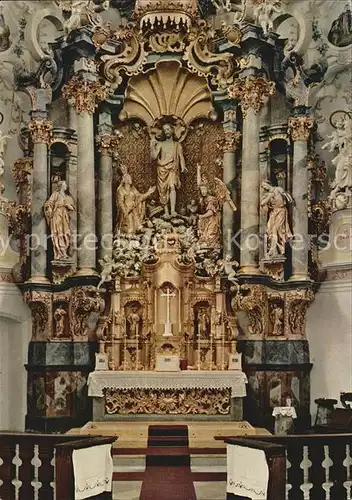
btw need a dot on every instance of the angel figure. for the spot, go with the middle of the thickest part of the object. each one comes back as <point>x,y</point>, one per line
<point>130,205</point>
<point>209,221</point>
<point>278,228</point>
<point>82,11</point>
<point>108,268</point>
<point>263,14</point>
<point>167,153</point>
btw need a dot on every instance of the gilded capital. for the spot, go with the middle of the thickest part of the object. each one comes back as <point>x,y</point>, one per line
<point>251,92</point>
<point>108,143</point>
<point>84,95</point>
<point>300,127</point>
<point>232,140</point>
<point>41,131</point>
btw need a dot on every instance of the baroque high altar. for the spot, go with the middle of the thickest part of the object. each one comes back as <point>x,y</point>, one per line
<point>168,206</point>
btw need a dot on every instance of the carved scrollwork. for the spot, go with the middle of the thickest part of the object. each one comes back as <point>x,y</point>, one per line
<point>17,216</point>
<point>200,58</point>
<point>297,303</point>
<point>40,304</point>
<point>130,58</point>
<point>167,402</point>
<point>167,42</point>
<point>85,301</point>
<point>254,301</point>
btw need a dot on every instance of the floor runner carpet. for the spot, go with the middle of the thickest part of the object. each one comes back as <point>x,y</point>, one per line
<point>168,473</point>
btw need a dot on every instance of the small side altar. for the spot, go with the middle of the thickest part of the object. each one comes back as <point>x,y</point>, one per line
<point>151,393</point>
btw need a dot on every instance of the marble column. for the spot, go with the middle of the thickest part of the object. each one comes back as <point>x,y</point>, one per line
<point>252,93</point>
<point>85,95</point>
<point>300,127</point>
<point>41,132</point>
<point>232,139</point>
<point>105,209</point>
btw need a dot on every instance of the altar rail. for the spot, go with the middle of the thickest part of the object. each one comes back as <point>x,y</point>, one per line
<point>40,465</point>
<point>318,466</point>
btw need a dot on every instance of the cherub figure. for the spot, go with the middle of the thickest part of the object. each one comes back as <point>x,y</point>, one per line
<point>108,268</point>
<point>263,14</point>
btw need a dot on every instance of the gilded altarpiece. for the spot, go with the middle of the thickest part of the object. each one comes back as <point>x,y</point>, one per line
<point>161,266</point>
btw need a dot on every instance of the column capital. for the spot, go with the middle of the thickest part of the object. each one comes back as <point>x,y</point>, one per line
<point>108,143</point>
<point>300,127</point>
<point>84,94</point>
<point>251,92</point>
<point>41,131</point>
<point>232,140</point>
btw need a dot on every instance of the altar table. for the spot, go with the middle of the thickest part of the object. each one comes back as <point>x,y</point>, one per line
<point>211,387</point>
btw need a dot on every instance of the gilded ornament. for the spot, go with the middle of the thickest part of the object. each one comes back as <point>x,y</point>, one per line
<point>254,301</point>
<point>40,304</point>
<point>232,140</point>
<point>84,95</point>
<point>300,127</point>
<point>297,303</point>
<point>85,301</point>
<point>167,402</point>
<point>251,92</point>
<point>41,131</point>
<point>22,169</point>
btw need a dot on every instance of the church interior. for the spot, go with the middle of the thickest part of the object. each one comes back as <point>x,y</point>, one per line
<point>176,248</point>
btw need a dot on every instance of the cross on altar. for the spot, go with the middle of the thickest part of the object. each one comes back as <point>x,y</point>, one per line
<point>167,327</point>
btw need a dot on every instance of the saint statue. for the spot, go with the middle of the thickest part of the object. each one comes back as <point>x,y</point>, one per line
<point>203,323</point>
<point>57,213</point>
<point>341,140</point>
<point>130,205</point>
<point>277,319</point>
<point>59,317</point>
<point>3,139</point>
<point>133,320</point>
<point>170,163</point>
<point>278,228</point>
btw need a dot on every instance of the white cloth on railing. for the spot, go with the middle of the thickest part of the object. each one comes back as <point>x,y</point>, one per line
<point>235,380</point>
<point>284,411</point>
<point>247,472</point>
<point>92,469</point>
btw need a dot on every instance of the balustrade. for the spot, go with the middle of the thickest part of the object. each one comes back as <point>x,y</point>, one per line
<point>31,464</point>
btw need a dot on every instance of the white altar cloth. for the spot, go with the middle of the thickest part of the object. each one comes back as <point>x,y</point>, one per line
<point>234,380</point>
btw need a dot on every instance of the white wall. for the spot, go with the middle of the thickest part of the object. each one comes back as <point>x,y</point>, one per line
<point>329,331</point>
<point>15,333</point>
